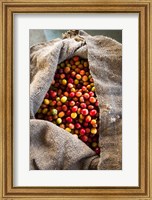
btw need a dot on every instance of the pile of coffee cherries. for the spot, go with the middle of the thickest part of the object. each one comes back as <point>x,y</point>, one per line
<point>71,102</point>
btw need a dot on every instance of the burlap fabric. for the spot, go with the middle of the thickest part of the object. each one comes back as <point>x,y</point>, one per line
<point>52,148</point>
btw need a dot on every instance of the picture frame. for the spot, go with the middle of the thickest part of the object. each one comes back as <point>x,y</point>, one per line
<point>8,8</point>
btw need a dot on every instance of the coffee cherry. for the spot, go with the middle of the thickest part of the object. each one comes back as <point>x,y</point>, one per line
<point>71,103</point>
<point>61,114</point>
<point>88,87</point>
<point>92,99</point>
<point>69,119</point>
<point>84,111</point>
<point>91,94</point>
<point>82,72</point>
<point>76,81</point>
<point>97,103</point>
<point>76,58</point>
<point>84,138</point>
<point>88,118</point>
<point>81,117</point>
<point>70,80</point>
<point>68,129</point>
<point>71,126</point>
<point>78,76</point>
<point>73,67</point>
<point>59,108</point>
<point>63,99</point>
<point>82,131</point>
<point>53,94</point>
<point>59,121</point>
<point>47,95</point>
<point>93,121</point>
<point>64,82</point>
<point>72,94</point>
<point>73,115</point>
<point>73,89</point>
<point>74,108</point>
<point>84,78</point>
<point>93,130</point>
<point>80,66</point>
<point>71,62</point>
<point>87,130</point>
<point>97,150</point>
<point>60,71</point>
<point>44,106</point>
<point>84,89</point>
<point>45,110</point>
<point>90,107</point>
<point>94,144</point>
<point>59,103</point>
<point>67,70</point>
<point>93,89</point>
<point>48,113</point>
<point>52,103</point>
<point>79,111</point>
<point>50,118</point>
<point>76,131</point>
<point>70,85</point>
<point>66,94</point>
<point>78,94</point>
<point>78,126</point>
<point>86,83</point>
<point>55,116</point>
<point>73,73</point>
<point>81,120</point>
<point>62,126</point>
<point>86,96</point>
<point>83,105</point>
<point>77,63</point>
<point>75,99</point>
<point>93,112</point>
<point>46,102</point>
<point>85,64</point>
<point>77,70</point>
<point>62,76</point>
<point>85,124</point>
<point>68,113</point>
<point>57,98</point>
<point>64,108</point>
<point>94,125</point>
<point>54,112</point>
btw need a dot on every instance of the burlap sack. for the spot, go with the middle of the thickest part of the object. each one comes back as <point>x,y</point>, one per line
<point>52,148</point>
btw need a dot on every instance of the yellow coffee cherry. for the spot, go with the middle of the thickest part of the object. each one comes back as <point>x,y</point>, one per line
<point>81,116</point>
<point>93,130</point>
<point>76,81</point>
<point>68,129</point>
<point>64,82</point>
<point>46,101</point>
<point>45,110</point>
<point>73,115</point>
<point>73,89</point>
<point>63,99</point>
<point>59,120</point>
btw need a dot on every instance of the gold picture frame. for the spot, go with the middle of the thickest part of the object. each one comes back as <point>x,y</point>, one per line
<point>7,9</point>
